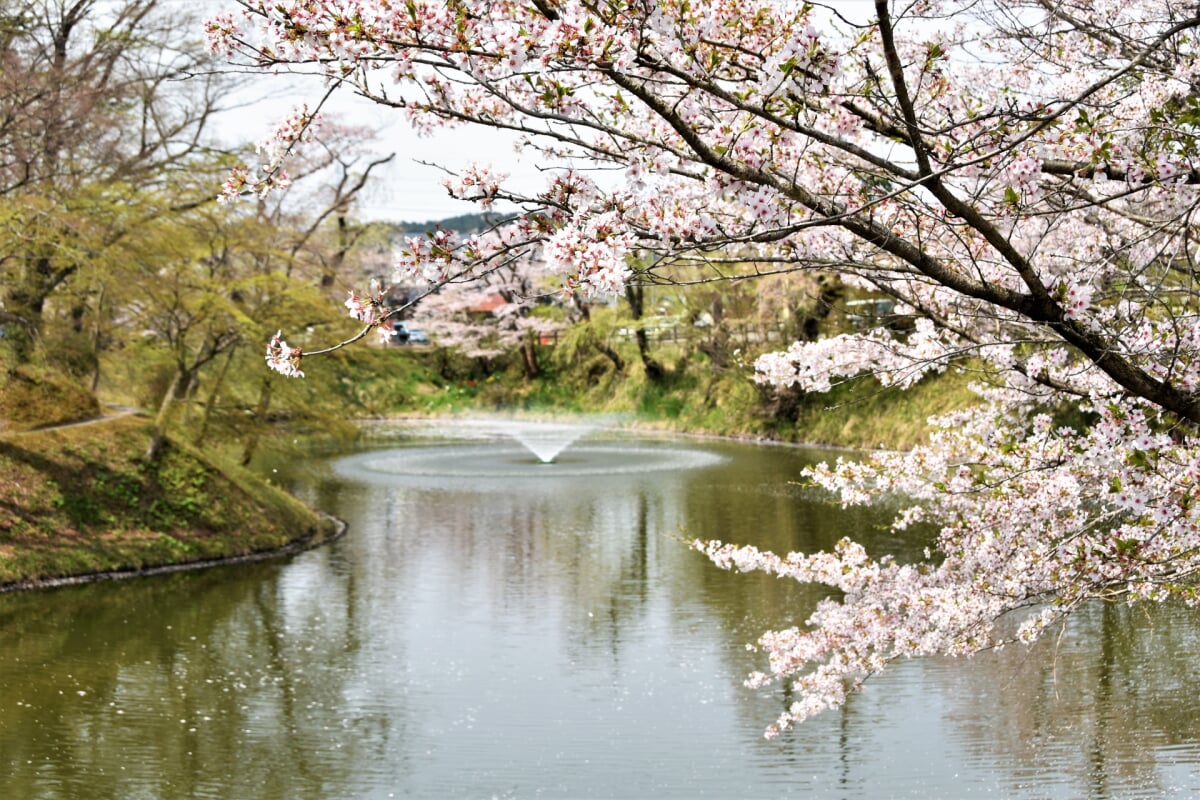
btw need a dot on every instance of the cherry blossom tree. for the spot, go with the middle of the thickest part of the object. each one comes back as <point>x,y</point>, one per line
<point>489,318</point>
<point>1019,175</point>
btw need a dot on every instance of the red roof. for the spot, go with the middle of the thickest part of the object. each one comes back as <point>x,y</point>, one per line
<point>488,303</point>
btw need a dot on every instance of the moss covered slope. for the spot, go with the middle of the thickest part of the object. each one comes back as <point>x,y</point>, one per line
<point>82,500</point>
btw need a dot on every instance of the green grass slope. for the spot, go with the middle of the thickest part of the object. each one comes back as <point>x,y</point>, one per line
<point>82,500</point>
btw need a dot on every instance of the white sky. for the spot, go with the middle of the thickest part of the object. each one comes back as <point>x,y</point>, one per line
<point>410,187</point>
<point>407,189</point>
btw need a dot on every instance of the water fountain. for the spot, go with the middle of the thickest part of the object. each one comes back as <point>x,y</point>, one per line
<point>497,451</point>
<point>544,440</point>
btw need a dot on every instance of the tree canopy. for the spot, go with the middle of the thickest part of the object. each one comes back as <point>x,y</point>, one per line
<point>1019,175</point>
<point>105,112</point>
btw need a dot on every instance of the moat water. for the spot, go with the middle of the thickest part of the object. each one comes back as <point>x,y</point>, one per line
<point>495,627</point>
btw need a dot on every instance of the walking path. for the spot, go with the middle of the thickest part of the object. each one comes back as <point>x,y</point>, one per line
<point>119,411</point>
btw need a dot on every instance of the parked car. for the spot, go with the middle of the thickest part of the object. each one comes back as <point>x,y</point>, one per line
<point>402,335</point>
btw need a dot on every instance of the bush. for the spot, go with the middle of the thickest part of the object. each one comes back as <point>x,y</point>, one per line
<point>32,397</point>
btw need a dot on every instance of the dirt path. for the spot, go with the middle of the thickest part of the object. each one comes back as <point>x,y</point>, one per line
<point>118,411</point>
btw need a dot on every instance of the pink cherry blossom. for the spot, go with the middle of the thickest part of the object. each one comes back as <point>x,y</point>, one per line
<point>283,359</point>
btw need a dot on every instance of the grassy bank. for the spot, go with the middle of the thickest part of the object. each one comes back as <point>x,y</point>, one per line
<point>31,397</point>
<point>82,500</point>
<point>696,396</point>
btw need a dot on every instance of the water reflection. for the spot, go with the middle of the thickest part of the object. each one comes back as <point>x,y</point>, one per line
<point>168,687</point>
<point>557,639</point>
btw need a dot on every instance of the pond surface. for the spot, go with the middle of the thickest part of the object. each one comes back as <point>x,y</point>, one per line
<point>524,631</point>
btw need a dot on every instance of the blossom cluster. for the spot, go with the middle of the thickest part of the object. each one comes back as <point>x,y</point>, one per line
<point>289,132</point>
<point>283,359</point>
<point>478,183</point>
<point>593,252</point>
<point>813,366</point>
<point>368,309</point>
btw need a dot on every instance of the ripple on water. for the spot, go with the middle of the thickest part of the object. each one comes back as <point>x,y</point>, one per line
<point>503,462</point>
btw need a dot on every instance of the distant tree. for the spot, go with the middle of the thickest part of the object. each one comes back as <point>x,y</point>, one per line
<point>463,223</point>
<point>489,313</point>
<point>208,282</point>
<point>101,105</point>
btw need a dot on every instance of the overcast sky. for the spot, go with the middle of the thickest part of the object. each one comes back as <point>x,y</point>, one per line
<point>406,189</point>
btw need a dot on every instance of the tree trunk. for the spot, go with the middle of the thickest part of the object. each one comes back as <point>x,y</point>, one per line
<point>333,267</point>
<point>25,302</point>
<point>158,436</point>
<point>23,322</point>
<point>611,354</point>
<point>260,411</point>
<point>97,339</point>
<point>529,356</point>
<point>211,402</point>
<point>581,305</point>
<point>635,294</point>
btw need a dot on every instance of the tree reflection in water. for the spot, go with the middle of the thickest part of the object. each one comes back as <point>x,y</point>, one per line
<point>557,639</point>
